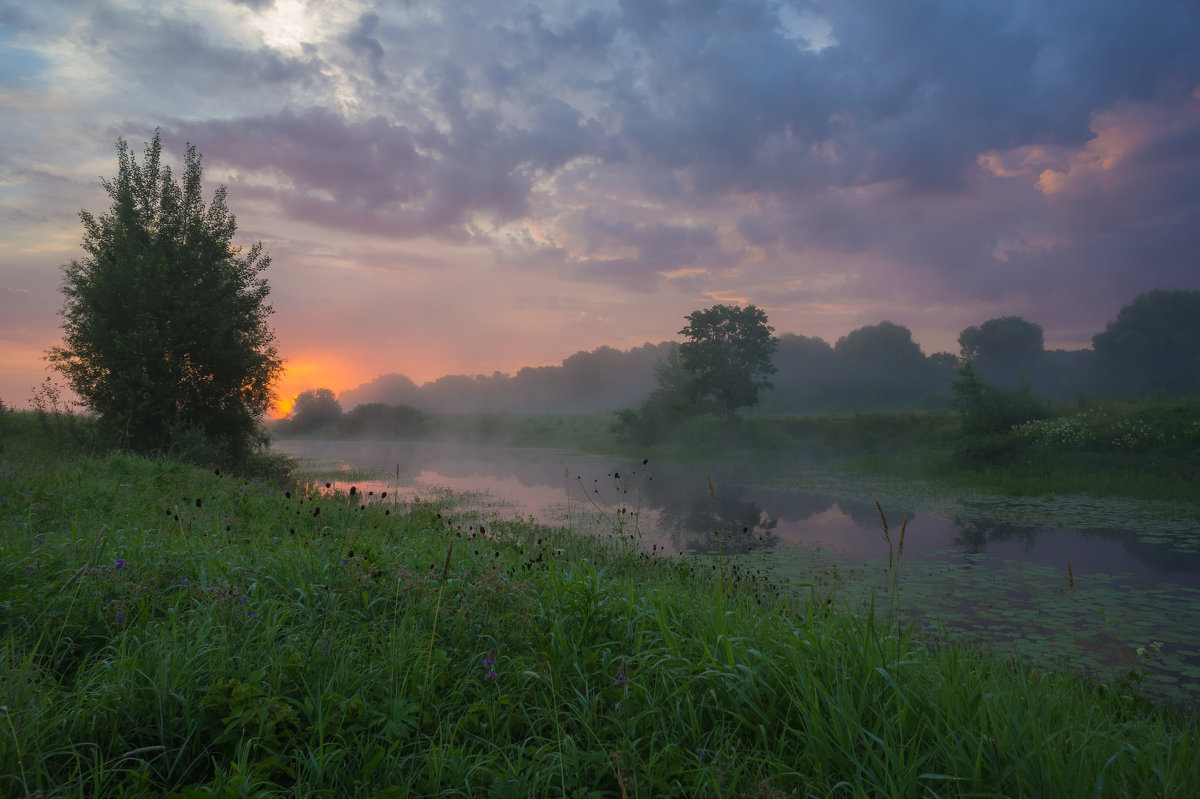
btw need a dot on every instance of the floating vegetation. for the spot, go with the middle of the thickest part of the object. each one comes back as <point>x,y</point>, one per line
<point>1175,525</point>
<point>1026,609</point>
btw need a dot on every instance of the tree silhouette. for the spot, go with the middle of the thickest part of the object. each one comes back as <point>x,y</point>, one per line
<point>165,332</point>
<point>727,355</point>
<point>1153,344</point>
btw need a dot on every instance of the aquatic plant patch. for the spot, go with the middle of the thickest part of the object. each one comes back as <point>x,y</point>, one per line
<point>1175,525</point>
<point>1095,624</point>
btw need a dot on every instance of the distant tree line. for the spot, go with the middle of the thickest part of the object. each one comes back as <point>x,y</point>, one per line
<point>319,410</point>
<point>587,382</point>
<point>1153,346</point>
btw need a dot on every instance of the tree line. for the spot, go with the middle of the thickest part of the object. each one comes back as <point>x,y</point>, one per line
<point>1153,346</point>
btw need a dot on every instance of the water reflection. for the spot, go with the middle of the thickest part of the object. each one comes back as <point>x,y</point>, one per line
<point>976,534</point>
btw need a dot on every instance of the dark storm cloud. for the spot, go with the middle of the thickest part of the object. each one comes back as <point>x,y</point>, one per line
<point>661,246</point>
<point>393,179</point>
<point>589,36</point>
<point>910,91</point>
<point>362,41</point>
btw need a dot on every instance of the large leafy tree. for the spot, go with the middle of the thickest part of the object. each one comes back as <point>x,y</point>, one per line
<point>314,409</point>
<point>727,355</point>
<point>165,333</point>
<point>1003,348</point>
<point>1153,344</point>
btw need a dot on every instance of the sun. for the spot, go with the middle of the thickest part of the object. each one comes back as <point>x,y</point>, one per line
<point>288,25</point>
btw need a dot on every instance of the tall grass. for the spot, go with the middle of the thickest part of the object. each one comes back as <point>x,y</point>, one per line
<point>166,630</point>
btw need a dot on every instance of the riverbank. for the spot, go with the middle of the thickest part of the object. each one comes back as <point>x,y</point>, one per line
<point>172,630</point>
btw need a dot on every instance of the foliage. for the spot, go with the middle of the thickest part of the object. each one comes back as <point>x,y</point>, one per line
<point>666,406</point>
<point>1159,424</point>
<point>602,380</point>
<point>1002,349</point>
<point>1153,344</point>
<point>880,345</point>
<point>1146,448</point>
<point>727,356</point>
<point>988,410</point>
<point>165,323</point>
<point>375,419</point>
<point>412,653</point>
<point>881,366</point>
<point>312,410</point>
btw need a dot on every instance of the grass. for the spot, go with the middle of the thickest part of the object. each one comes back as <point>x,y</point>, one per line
<point>1145,449</point>
<point>167,630</point>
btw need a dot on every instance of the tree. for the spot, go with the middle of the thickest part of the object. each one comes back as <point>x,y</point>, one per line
<point>882,345</point>
<point>1153,344</point>
<point>989,410</point>
<point>314,409</point>
<point>880,365</point>
<point>662,409</point>
<point>376,419</point>
<point>165,332</point>
<point>727,355</point>
<point>1004,348</point>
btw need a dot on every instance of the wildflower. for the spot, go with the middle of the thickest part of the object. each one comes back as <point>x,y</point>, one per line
<point>622,679</point>
<point>489,663</point>
<point>120,564</point>
<point>120,617</point>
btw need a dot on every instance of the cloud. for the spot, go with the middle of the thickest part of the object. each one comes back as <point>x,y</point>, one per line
<point>363,42</point>
<point>152,47</point>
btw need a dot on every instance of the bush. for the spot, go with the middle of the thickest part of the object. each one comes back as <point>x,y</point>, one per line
<point>651,423</point>
<point>988,410</point>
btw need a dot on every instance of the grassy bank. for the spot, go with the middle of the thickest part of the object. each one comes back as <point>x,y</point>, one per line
<point>1145,449</point>
<point>171,630</point>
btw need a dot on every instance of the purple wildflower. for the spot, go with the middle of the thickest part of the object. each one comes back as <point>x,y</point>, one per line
<point>622,679</point>
<point>120,617</point>
<point>120,564</point>
<point>489,663</point>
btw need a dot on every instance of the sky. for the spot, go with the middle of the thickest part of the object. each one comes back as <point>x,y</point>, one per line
<point>461,187</point>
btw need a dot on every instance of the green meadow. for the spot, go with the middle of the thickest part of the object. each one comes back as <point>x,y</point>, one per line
<point>169,630</point>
